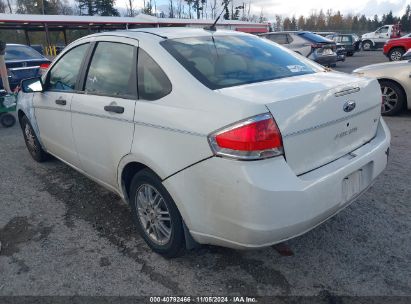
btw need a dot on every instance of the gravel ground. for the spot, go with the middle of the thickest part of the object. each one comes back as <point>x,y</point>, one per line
<point>62,234</point>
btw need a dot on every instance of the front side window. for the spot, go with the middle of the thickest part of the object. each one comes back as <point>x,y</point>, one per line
<point>278,38</point>
<point>63,75</point>
<point>112,70</point>
<point>383,30</point>
<point>225,61</point>
<point>153,83</point>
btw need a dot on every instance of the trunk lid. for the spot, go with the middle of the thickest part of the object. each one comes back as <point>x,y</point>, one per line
<point>309,111</point>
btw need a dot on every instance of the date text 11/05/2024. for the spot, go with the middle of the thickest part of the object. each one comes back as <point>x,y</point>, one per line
<point>206,299</point>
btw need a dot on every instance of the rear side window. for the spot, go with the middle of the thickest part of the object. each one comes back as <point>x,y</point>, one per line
<point>21,52</point>
<point>225,61</point>
<point>64,73</point>
<point>153,83</point>
<point>278,38</point>
<point>346,39</point>
<point>112,71</point>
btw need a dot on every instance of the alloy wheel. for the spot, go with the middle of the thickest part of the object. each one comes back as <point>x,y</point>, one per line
<point>389,99</point>
<point>153,214</point>
<point>396,55</point>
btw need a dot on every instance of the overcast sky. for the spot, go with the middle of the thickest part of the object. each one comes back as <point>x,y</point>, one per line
<point>306,7</point>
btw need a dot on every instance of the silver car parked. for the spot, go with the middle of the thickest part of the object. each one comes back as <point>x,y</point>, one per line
<point>310,45</point>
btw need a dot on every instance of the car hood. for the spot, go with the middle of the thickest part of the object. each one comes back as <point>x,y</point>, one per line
<point>382,66</point>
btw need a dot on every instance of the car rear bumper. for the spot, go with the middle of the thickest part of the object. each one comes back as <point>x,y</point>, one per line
<point>325,60</point>
<point>255,204</point>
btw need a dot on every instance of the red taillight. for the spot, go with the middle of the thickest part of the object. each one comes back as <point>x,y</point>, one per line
<point>44,67</point>
<point>254,138</point>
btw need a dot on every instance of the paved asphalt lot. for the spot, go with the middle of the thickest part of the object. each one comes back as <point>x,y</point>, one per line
<point>62,234</point>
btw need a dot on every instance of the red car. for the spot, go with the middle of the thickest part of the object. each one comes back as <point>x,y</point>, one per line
<point>395,48</point>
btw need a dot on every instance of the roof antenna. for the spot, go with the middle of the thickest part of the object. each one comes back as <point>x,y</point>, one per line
<point>213,27</point>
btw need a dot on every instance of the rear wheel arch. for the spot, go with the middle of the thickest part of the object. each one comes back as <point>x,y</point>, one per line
<point>127,174</point>
<point>396,82</point>
<point>367,41</point>
<point>397,47</point>
<point>404,105</point>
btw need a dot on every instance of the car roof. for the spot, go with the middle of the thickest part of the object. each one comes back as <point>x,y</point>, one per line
<point>167,33</point>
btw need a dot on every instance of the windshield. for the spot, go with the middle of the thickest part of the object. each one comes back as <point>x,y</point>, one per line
<point>225,61</point>
<point>21,52</point>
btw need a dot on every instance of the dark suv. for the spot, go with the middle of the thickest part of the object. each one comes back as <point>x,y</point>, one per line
<point>351,42</point>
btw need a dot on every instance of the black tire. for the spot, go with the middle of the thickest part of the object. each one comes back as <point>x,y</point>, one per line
<point>7,120</point>
<point>350,54</point>
<point>32,143</point>
<point>173,247</point>
<point>367,45</point>
<point>394,91</point>
<point>395,54</point>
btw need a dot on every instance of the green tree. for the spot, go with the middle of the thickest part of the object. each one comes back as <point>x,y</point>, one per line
<point>48,7</point>
<point>148,8</point>
<point>287,24</point>
<point>190,4</point>
<point>226,11</point>
<point>86,7</point>
<point>198,6</point>
<point>389,19</point>
<point>301,23</point>
<point>406,19</point>
<point>355,24</point>
<point>2,7</point>
<point>321,22</point>
<point>106,8</point>
<point>293,23</point>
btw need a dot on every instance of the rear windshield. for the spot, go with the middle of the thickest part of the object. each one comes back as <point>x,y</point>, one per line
<point>21,52</point>
<point>226,61</point>
<point>314,37</point>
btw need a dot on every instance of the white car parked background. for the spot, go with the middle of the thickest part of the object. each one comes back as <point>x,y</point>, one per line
<point>219,137</point>
<point>394,79</point>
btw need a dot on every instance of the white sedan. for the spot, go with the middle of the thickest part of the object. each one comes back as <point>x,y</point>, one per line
<point>216,138</point>
<point>395,82</point>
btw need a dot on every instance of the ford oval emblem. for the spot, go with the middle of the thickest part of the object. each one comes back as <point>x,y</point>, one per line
<point>349,106</point>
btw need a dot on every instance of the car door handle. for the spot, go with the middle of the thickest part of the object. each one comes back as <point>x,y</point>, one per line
<point>61,102</point>
<point>114,109</point>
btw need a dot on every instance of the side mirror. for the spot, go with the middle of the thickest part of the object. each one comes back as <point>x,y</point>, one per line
<point>32,85</point>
